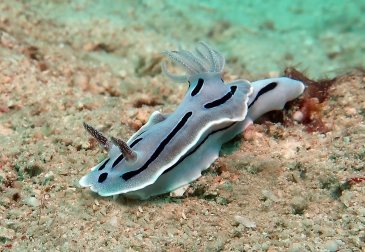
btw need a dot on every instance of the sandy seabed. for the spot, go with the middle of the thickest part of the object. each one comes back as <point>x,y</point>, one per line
<point>276,188</point>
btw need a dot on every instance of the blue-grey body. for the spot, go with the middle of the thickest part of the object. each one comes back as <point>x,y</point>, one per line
<point>172,151</point>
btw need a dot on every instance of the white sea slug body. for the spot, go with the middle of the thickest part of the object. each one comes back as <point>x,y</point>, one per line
<point>171,151</point>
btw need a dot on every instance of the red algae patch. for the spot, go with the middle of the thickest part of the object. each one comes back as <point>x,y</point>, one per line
<point>311,103</point>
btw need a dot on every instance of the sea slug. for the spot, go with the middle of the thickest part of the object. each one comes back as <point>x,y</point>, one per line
<point>171,151</point>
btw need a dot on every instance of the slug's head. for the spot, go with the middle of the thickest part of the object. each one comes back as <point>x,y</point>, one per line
<point>120,154</point>
<point>113,144</point>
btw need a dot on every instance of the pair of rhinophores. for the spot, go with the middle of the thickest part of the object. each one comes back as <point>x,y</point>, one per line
<point>170,151</point>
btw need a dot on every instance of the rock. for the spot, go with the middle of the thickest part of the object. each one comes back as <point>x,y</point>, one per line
<point>6,233</point>
<point>270,195</point>
<point>296,247</point>
<point>221,201</point>
<point>331,246</point>
<point>32,201</point>
<point>299,204</point>
<point>2,176</point>
<point>271,249</point>
<point>5,131</point>
<point>48,178</point>
<point>244,221</point>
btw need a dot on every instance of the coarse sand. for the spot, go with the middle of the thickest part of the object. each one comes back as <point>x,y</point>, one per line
<point>277,187</point>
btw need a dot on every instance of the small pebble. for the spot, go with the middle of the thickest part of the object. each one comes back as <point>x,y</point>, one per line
<point>350,111</point>
<point>361,211</point>
<point>179,192</point>
<point>114,221</point>
<point>298,116</point>
<point>81,81</point>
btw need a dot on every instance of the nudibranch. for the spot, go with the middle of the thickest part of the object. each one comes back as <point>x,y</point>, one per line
<point>171,151</point>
